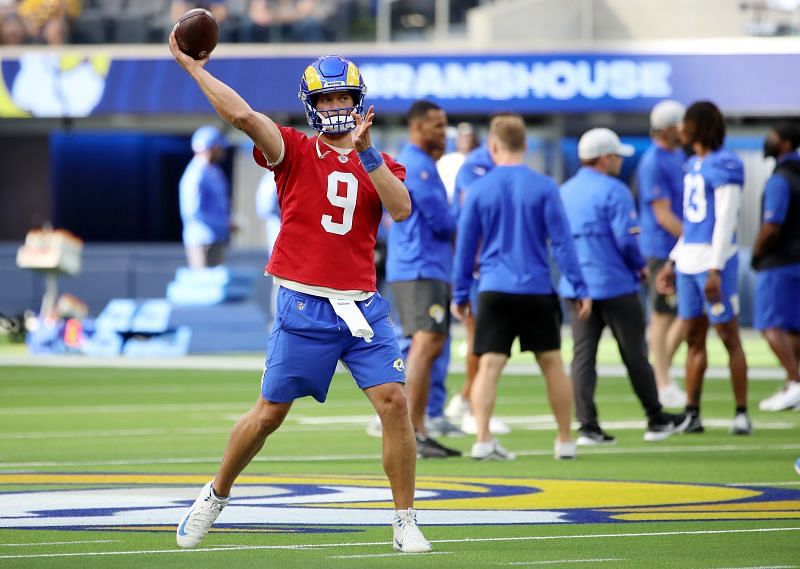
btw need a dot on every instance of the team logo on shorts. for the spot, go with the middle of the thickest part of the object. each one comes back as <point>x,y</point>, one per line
<point>398,364</point>
<point>717,309</point>
<point>301,305</point>
<point>436,311</point>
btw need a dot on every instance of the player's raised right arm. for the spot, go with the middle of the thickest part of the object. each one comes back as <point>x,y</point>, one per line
<point>230,105</point>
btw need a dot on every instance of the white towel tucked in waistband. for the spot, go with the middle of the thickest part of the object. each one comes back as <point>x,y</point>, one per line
<point>352,316</point>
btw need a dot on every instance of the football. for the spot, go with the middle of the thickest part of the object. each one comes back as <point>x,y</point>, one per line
<point>197,33</point>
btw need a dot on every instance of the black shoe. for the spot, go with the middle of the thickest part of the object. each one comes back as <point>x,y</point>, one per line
<point>592,436</point>
<point>429,448</point>
<point>448,451</point>
<point>695,425</point>
<point>666,425</point>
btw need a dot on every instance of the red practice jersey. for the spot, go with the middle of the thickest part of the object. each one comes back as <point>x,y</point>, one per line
<point>330,212</point>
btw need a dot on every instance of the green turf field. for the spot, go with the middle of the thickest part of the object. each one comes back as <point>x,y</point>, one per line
<point>111,453</point>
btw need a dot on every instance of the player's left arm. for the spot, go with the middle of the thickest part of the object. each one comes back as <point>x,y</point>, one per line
<point>467,239</point>
<point>727,198</point>
<point>391,190</point>
<point>776,205</point>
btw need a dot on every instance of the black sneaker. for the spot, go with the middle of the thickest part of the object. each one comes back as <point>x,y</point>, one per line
<point>429,448</point>
<point>448,451</point>
<point>695,425</point>
<point>666,425</point>
<point>592,436</point>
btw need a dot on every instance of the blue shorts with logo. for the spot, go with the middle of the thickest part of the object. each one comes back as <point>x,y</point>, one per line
<point>692,302</point>
<point>778,298</point>
<point>308,339</point>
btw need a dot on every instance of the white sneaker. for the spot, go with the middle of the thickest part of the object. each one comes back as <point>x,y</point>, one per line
<point>741,425</point>
<point>672,396</point>
<point>491,450</point>
<point>375,427</point>
<point>201,516</point>
<point>457,408</point>
<point>565,451</point>
<point>407,537</point>
<point>496,426</point>
<point>785,398</point>
<point>442,427</point>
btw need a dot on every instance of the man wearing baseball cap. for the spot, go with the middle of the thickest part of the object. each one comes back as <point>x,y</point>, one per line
<point>605,228</point>
<point>205,200</point>
<point>660,175</point>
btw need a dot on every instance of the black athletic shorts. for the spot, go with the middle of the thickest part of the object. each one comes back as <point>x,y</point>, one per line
<point>661,303</point>
<point>423,305</point>
<point>534,318</point>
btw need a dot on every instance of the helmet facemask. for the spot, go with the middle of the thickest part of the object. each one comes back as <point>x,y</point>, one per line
<point>332,74</point>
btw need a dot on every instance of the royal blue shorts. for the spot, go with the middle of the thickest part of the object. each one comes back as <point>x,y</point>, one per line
<point>778,298</point>
<point>692,302</point>
<point>308,339</point>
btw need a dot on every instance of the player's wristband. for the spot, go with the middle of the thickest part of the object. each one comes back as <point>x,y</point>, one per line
<point>371,159</point>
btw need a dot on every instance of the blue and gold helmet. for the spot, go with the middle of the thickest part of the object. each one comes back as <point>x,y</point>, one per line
<point>330,74</point>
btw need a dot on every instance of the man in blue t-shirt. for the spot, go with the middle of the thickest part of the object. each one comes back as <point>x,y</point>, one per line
<point>419,263</point>
<point>706,259</point>
<point>660,176</point>
<point>776,257</point>
<point>205,200</point>
<point>605,227</point>
<point>511,214</point>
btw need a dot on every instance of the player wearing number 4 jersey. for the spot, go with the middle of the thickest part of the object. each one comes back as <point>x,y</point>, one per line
<point>331,191</point>
<point>706,259</point>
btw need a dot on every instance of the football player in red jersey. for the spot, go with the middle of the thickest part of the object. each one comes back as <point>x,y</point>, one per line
<point>332,189</point>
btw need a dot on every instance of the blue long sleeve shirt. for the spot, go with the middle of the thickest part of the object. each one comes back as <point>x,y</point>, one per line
<point>476,165</point>
<point>605,227</point>
<point>511,213</point>
<point>205,203</point>
<point>420,247</point>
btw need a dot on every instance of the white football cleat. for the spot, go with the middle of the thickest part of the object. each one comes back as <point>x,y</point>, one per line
<point>407,536</point>
<point>201,516</point>
<point>456,408</point>
<point>375,427</point>
<point>491,450</point>
<point>786,398</point>
<point>496,426</point>
<point>672,397</point>
<point>565,451</point>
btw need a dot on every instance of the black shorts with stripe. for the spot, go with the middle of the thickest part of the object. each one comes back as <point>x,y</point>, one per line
<point>502,317</point>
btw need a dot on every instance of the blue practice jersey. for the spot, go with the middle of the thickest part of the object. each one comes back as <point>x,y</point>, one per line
<point>511,213</point>
<point>660,174</point>
<point>605,227</point>
<point>476,165</point>
<point>420,247</point>
<point>204,203</point>
<point>711,198</point>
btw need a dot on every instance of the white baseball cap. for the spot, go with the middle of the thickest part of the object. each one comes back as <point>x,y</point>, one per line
<point>601,141</point>
<point>666,114</point>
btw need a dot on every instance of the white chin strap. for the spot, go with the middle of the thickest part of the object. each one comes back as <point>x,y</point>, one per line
<point>337,123</point>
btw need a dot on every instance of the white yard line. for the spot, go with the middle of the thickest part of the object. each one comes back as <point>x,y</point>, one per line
<point>256,364</point>
<point>559,561</point>
<point>396,554</point>
<point>385,543</point>
<point>655,449</point>
<point>47,543</point>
